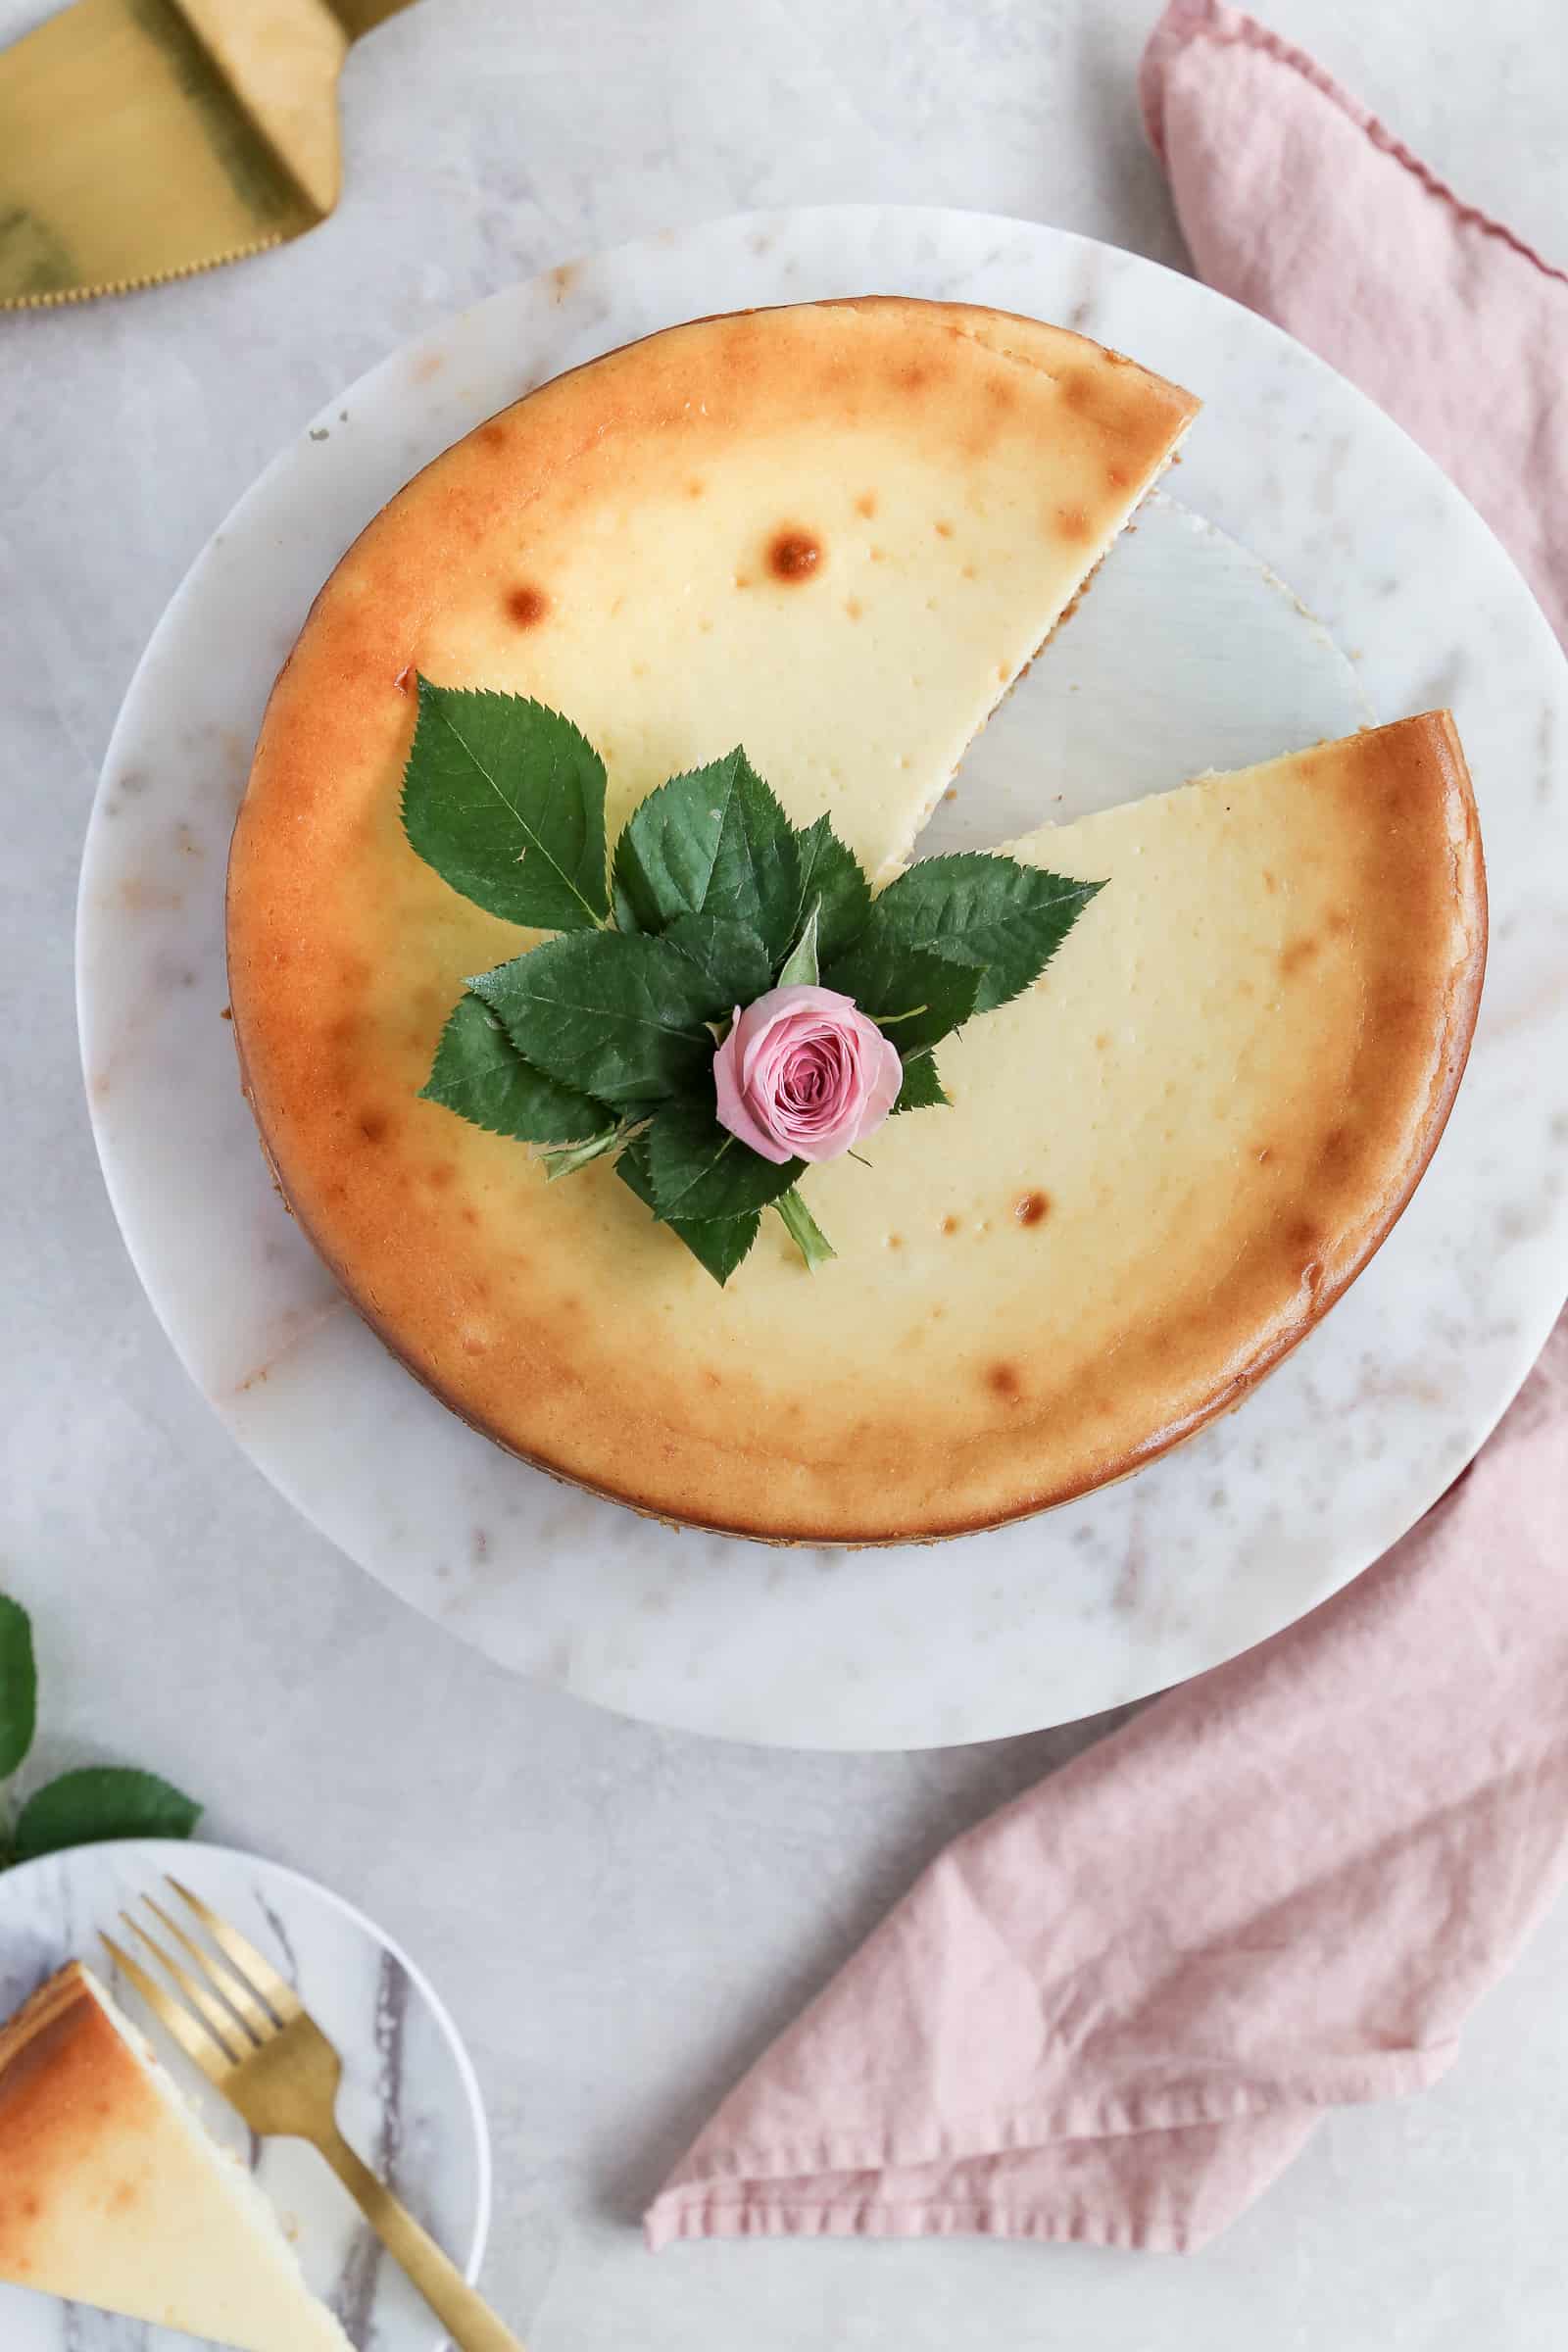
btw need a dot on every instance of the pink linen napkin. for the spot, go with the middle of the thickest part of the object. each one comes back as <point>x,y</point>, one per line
<point>1297,201</point>
<point>1115,2011</point>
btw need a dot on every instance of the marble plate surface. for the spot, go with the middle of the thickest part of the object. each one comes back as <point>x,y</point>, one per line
<point>409,2102</point>
<point>1191,652</point>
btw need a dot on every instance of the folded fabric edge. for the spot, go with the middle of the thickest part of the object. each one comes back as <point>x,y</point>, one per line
<point>1187,20</point>
<point>673,2216</point>
<point>744,2193</point>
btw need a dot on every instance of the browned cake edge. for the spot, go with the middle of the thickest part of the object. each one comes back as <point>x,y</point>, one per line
<point>66,2076</point>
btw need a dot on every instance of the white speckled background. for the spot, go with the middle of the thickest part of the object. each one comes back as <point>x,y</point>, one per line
<point>621,1916</point>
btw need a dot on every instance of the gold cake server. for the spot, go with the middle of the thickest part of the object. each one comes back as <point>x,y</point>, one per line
<point>145,140</point>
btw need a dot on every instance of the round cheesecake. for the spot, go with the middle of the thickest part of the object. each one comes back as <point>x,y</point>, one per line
<point>836,534</point>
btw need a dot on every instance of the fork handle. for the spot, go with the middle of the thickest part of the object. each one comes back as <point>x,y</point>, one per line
<point>466,2315</point>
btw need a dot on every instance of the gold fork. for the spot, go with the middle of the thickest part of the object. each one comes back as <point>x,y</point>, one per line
<point>256,2044</point>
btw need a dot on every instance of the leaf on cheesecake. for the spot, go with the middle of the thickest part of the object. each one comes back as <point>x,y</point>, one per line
<point>918,998</point>
<point>830,877</point>
<point>1004,920</point>
<point>718,1245</point>
<point>603,1039</point>
<point>622,1018</point>
<point>698,1170</point>
<point>506,800</point>
<point>799,968</point>
<point>480,1074</point>
<point>713,839</point>
<point>19,1685</point>
<point>922,1089</point>
<point>104,1801</point>
<point>730,954</point>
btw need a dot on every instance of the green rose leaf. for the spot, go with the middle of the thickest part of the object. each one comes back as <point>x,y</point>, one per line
<point>734,959</point>
<point>916,997</point>
<point>480,1074</point>
<point>801,968</point>
<point>804,1232</point>
<point>713,839</point>
<point>922,1089</point>
<point>83,1807</point>
<point>1005,919</point>
<point>507,801</point>
<point>19,1685</point>
<point>700,1171</point>
<point>620,1018</point>
<point>830,876</point>
<point>718,1246</point>
<point>602,1041</point>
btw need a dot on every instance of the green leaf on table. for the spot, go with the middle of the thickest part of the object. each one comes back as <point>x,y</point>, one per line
<point>507,801</point>
<point>480,1074</point>
<point>917,998</point>
<point>733,957</point>
<point>1005,919</point>
<point>713,839</point>
<point>804,1232</point>
<point>621,1018</point>
<point>19,1685</point>
<point>922,1089</point>
<point>103,1801</point>
<point>718,1246</point>
<point>700,1171</point>
<point>831,875</point>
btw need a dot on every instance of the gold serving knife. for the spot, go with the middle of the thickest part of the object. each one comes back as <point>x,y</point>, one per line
<point>145,140</point>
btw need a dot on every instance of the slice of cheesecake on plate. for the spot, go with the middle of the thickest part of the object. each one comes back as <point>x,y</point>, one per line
<point>112,2194</point>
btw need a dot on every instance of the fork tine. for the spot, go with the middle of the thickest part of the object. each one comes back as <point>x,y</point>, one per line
<point>279,1996</point>
<point>233,1989</point>
<point>191,2037</point>
<point>223,2029</point>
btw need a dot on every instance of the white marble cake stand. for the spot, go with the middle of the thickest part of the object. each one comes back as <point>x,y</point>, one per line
<point>1187,655</point>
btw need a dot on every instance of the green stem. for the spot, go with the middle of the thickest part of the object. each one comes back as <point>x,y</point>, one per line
<point>804,1231</point>
<point>569,1158</point>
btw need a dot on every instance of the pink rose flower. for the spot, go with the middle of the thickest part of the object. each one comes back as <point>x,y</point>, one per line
<point>803,1074</point>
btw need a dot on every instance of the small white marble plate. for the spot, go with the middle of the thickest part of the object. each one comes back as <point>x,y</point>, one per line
<point>409,2101</point>
<point>1190,652</point>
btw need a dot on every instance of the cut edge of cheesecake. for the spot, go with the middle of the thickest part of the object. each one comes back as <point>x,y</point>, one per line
<point>87,2117</point>
<point>1182,409</point>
